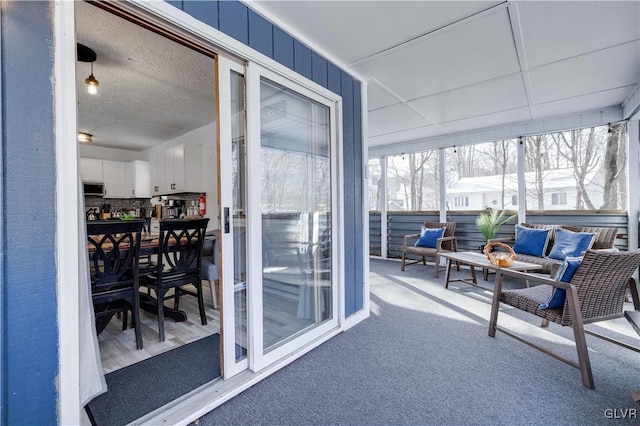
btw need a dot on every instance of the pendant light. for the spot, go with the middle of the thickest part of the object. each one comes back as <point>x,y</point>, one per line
<point>92,83</point>
<point>85,54</point>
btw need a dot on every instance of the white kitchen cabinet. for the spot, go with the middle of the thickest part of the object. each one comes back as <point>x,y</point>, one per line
<point>114,176</point>
<point>138,179</point>
<point>176,169</point>
<point>91,170</point>
<point>156,165</point>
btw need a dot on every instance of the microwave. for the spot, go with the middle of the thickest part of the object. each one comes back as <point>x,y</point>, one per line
<point>93,188</point>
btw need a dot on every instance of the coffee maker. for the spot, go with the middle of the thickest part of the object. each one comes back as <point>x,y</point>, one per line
<point>174,208</point>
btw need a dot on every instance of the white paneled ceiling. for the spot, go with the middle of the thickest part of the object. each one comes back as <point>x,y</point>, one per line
<point>433,68</point>
<point>440,67</point>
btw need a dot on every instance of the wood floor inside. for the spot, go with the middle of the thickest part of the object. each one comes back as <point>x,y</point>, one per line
<point>118,347</point>
<point>286,314</point>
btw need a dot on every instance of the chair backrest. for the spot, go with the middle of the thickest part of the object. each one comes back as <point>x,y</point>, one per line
<point>601,281</point>
<point>449,230</point>
<point>181,242</point>
<point>114,249</point>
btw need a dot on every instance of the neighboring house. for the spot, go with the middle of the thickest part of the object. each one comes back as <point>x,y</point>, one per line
<point>479,193</point>
<point>39,337</point>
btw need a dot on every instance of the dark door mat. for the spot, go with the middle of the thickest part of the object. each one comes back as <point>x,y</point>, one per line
<point>140,388</point>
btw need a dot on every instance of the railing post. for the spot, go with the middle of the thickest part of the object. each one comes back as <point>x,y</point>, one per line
<point>443,187</point>
<point>384,204</point>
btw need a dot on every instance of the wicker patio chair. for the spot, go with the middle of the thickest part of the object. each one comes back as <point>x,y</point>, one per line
<point>595,293</point>
<point>447,243</point>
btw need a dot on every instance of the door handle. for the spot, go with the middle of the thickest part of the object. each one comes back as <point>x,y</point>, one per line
<point>226,220</point>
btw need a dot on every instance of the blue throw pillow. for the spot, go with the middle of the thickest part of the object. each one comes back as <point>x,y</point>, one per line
<point>429,237</point>
<point>531,241</point>
<point>565,274</point>
<point>570,244</point>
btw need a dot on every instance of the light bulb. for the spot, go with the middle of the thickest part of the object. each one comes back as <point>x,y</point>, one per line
<point>92,84</point>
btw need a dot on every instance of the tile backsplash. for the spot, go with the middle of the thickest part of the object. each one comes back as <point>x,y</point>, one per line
<point>128,204</point>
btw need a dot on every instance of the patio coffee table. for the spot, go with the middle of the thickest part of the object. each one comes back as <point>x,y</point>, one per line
<point>474,259</point>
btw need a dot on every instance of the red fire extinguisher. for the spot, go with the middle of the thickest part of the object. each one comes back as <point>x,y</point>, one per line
<point>203,204</point>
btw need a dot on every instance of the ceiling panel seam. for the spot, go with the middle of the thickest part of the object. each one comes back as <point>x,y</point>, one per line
<point>407,104</point>
<point>432,33</point>
<point>518,43</point>
<point>569,58</point>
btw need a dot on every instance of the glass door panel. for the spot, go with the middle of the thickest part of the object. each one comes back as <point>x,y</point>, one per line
<point>296,213</point>
<point>233,216</point>
<point>239,179</point>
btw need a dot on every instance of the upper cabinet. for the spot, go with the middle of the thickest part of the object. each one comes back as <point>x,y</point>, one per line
<point>138,179</point>
<point>122,179</point>
<point>177,169</point>
<point>114,176</point>
<point>91,170</point>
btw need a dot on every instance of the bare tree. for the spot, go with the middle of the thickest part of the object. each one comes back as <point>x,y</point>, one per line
<point>466,157</point>
<point>581,152</point>
<point>614,166</point>
<point>537,160</point>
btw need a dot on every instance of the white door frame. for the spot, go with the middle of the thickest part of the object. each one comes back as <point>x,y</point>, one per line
<point>227,281</point>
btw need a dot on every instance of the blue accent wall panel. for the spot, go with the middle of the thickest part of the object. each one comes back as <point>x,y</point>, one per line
<point>205,11</point>
<point>176,3</point>
<point>234,20</point>
<point>302,59</point>
<point>282,47</point>
<point>260,34</point>
<point>350,203</point>
<point>334,78</point>
<point>319,69</point>
<point>358,166</point>
<point>30,333</point>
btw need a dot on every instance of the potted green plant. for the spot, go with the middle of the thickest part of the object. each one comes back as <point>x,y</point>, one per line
<point>490,222</point>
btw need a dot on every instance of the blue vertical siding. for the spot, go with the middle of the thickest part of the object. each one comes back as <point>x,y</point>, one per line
<point>234,20</point>
<point>358,207</point>
<point>260,34</point>
<point>319,69</point>
<point>176,3</point>
<point>334,78</point>
<point>282,47</point>
<point>30,333</point>
<point>205,11</point>
<point>351,259</point>
<point>302,59</point>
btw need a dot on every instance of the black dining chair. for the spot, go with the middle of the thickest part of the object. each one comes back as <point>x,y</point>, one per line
<point>114,252</point>
<point>179,264</point>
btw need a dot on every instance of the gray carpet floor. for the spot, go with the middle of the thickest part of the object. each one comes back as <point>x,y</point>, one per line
<point>424,357</point>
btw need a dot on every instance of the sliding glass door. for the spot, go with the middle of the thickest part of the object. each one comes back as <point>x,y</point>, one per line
<point>293,198</point>
<point>296,213</point>
<point>279,209</point>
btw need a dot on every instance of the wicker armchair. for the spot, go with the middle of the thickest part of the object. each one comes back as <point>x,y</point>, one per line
<point>447,243</point>
<point>595,293</point>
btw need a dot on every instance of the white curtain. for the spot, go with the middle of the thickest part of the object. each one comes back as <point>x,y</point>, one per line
<point>92,382</point>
